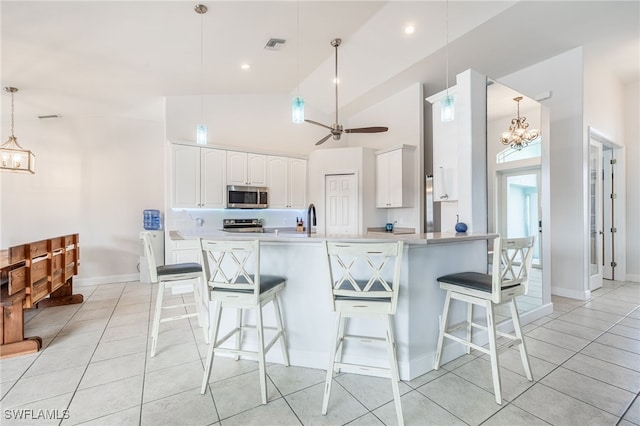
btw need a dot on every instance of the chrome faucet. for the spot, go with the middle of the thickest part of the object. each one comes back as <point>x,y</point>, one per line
<point>311,209</point>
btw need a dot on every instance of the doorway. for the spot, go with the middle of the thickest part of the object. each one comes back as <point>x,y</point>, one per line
<point>341,204</point>
<point>519,209</point>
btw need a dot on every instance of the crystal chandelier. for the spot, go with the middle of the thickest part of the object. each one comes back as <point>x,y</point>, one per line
<point>13,157</point>
<point>518,135</point>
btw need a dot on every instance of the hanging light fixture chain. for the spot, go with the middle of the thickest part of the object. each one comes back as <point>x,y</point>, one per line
<point>12,135</point>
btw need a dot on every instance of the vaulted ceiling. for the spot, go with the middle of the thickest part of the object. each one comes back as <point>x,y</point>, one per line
<point>80,58</point>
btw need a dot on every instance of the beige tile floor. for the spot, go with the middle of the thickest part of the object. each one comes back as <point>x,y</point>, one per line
<point>95,369</point>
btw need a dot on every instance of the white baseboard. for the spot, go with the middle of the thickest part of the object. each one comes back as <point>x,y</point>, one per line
<point>634,278</point>
<point>571,294</point>
<point>111,279</point>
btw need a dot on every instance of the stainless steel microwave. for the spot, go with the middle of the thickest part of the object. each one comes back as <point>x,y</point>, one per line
<point>247,197</point>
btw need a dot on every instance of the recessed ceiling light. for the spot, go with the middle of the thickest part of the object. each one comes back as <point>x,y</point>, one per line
<point>409,29</point>
<point>245,66</point>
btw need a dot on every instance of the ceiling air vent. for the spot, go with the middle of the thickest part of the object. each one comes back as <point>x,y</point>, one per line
<point>50,116</point>
<point>275,44</point>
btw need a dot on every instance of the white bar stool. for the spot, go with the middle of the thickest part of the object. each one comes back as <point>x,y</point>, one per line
<point>512,258</point>
<point>364,282</point>
<point>231,285</point>
<point>168,276</point>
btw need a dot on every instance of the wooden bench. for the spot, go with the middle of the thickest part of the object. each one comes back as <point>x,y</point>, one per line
<point>34,275</point>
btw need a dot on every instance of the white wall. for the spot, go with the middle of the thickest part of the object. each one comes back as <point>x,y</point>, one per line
<point>562,75</point>
<point>632,160</point>
<point>94,176</point>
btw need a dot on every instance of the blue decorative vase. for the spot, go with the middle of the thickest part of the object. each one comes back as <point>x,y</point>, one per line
<point>461,227</point>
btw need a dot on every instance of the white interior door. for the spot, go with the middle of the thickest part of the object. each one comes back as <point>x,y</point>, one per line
<point>341,204</point>
<point>595,215</point>
<point>608,223</point>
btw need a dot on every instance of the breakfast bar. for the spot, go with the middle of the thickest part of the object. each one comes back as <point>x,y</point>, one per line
<point>306,305</point>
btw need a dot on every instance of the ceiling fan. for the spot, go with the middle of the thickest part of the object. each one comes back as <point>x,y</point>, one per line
<point>337,129</point>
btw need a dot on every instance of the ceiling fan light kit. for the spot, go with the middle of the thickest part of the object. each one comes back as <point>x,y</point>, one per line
<point>337,129</point>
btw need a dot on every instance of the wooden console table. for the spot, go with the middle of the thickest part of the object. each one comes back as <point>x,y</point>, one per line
<point>28,274</point>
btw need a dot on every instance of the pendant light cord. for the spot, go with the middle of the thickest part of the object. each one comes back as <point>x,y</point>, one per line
<point>201,65</point>
<point>298,44</point>
<point>12,135</point>
<point>446,46</point>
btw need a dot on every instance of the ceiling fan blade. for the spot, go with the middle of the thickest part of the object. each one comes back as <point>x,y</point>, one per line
<point>323,140</point>
<point>318,124</point>
<point>367,130</point>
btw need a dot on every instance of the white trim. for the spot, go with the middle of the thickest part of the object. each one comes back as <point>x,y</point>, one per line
<point>633,277</point>
<point>570,293</point>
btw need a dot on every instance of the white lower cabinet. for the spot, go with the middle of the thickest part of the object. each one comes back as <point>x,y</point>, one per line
<point>287,182</point>
<point>394,177</point>
<point>198,177</point>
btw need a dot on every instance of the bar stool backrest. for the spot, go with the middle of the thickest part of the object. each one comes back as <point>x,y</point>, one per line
<point>149,255</point>
<point>511,267</point>
<point>232,266</point>
<point>365,271</point>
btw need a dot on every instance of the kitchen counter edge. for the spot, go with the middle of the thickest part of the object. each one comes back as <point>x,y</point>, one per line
<point>410,239</point>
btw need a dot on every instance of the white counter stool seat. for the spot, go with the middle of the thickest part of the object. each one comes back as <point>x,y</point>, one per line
<point>364,282</point>
<point>168,276</point>
<point>231,285</point>
<point>511,265</point>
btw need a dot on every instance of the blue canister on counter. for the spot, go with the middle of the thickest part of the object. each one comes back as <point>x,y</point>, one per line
<point>151,219</point>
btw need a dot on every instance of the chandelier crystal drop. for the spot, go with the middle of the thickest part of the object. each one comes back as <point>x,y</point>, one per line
<point>519,135</point>
<point>14,158</point>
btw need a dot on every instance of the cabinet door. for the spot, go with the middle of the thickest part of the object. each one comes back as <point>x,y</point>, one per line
<point>186,176</point>
<point>236,168</point>
<point>214,175</point>
<point>256,169</point>
<point>277,182</point>
<point>297,182</point>
<point>395,189</point>
<point>382,180</point>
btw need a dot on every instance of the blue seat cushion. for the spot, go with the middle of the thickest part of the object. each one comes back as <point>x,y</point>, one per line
<point>178,268</point>
<point>377,286</point>
<point>267,282</point>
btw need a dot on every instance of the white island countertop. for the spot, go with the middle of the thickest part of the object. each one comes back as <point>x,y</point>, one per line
<point>430,238</point>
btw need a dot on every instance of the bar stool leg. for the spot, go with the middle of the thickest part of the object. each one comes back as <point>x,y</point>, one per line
<point>156,318</point>
<point>493,352</point>
<point>393,368</point>
<point>239,313</point>
<point>342,325</point>
<point>443,328</point>
<point>469,327</point>
<point>521,347</point>
<point>261,361</point>
<point>336,345</point>
<point>283,338</point>
<point>213,340</point>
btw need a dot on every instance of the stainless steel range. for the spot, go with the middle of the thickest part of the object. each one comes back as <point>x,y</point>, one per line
<point>242,225</point>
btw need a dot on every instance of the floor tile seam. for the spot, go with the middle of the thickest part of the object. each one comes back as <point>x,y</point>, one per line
<point>107,415</point>
<point>86,367</point>
<point>572,323</point>
<point>335,382</point>
<point>503,407</point>
<point>612,364</point>
<point>629,408</point>
<point>572,397</point>
<point>146,357</point>
<point>618,416</point>
<point>39,353</point>
<point>441,406</point>
<point>220,419</point>
<point>9,407</point>
<point>291,393</point>
<point>625,315</point>
<point>286,401</point>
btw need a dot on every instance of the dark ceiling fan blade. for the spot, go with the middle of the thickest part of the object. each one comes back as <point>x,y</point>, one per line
<point>323,140</point>
<point>318,124</point>
<point>367,130</point>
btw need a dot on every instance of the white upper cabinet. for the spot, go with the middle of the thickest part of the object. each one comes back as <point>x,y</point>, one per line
<point>287,182</point>
<point>198,177</point>
<point>245,168</point>
<point>394,177</point>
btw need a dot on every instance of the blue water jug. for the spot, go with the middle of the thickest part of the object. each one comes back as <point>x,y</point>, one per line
<point>151,220</point>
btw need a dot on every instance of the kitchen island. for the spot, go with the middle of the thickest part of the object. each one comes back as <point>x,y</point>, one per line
<point>306,299</point>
